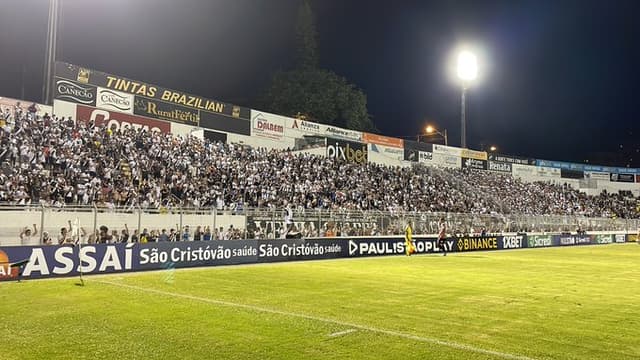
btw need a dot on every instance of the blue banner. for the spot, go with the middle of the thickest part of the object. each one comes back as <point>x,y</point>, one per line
<point>586,167</point>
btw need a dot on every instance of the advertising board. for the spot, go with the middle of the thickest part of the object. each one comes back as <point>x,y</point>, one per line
<point>114,100</point>
<point>266,125</point>
<point>470,163</point>
<point>499,166</point>
<point>156,93</point>
<point>72,91</point>
<point>382,140</point>
<point>348,151</point>
<point>117,121</point>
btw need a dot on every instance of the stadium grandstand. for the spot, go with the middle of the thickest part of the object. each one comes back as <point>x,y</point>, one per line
<point>90,164</point>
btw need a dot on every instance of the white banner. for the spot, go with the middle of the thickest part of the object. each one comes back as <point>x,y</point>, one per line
<point>448,150</point>
<point>266,125</point>
<point>114,100</point>
<point>425,157</point>
<point>525,171</point>
<point>598,175</point>
<point>446,160</point>
<point>340,133</point>
<point>298,128</point>
<point>385,155</point>
<point>547,172</point>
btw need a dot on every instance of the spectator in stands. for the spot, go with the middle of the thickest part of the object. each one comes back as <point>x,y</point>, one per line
<point>58,162</point>
<point>207,234</point>
<point>163,235</point>
<point>46,239</point>
<point>26,234</point>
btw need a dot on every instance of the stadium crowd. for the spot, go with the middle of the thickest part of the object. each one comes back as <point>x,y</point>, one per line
<point>60,162</point>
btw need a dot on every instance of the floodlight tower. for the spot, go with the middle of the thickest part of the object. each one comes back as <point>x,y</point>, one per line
<point>467,72</point>
<point>50,51</point>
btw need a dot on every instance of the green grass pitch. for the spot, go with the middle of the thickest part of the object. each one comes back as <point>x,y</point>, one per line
<point>556,303</point>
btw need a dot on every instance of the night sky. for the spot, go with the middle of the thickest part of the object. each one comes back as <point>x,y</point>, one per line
<point>558,80</point>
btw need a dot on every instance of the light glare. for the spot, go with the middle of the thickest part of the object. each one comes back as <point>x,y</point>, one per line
<point>467,66</point>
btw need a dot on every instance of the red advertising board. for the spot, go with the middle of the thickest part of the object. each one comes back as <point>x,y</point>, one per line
<point>110,118</point>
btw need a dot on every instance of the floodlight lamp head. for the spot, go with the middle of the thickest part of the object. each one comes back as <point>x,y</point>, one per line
<point>467,66</point>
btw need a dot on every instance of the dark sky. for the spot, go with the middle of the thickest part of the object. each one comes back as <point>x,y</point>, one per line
<point>559,78</point>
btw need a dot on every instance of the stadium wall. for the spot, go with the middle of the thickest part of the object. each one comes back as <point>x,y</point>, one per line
<point>68,260</point>
<point>52,221</point>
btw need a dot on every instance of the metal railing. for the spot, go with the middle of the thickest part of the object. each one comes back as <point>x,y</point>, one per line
<point>270,222</point>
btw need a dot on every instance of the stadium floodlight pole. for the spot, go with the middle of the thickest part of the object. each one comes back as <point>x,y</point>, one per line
<point>50,52</point>
<point>467,72</point>
<point>431,130</point>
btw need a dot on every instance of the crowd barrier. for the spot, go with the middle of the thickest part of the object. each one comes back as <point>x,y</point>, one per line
<point>33,262</point>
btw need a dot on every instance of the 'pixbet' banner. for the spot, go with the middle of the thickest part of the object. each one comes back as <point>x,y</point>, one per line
<point>349,151</point>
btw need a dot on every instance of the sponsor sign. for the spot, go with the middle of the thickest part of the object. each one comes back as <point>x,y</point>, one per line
<point>472,154</point>
<point>347,151</point>
<point>633,237</point>
<point>395,246</point>
<point>340,133</point>
<point>65,260</point>
<point>628,178</point>
<point>448,161</point>
<point>565,240</point>
<point>75,92</point>
<point>512,242</point>
<point>604,239</point>
<point>584,167</point>
<point>165,111</point>
<point>448,150</point>
<point>386,152</point>
<point>114,100</point>
<point>108,258</point>
<point>499,166</point>
<point>523,170</point>
<point>511,159</point>
<point>473,243</point>
<point>382,140</point>
<point>297,128</point>
<point>425,156</point>
<point>539,241</point>
<point>114,120</point>
<point>638,178</point>
<point>267,125</point>
<point>620,238</point>
<point>7,271</point>
<point>598,175</point>
<point>175,98</point>
<point>547,172</point>
<point>469,163</point>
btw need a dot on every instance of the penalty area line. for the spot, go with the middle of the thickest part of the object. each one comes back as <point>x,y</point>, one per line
<point>340,333</point>
<point>353,327</point>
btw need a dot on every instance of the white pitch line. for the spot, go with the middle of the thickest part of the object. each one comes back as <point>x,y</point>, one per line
<point>340,333</point>
<point>450,344</point>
